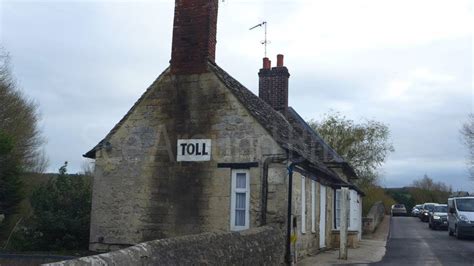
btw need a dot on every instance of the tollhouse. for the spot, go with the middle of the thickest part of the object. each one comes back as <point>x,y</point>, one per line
<point>200,152</point>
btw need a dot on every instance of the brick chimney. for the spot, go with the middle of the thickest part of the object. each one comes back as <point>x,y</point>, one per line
<point>273,84</point>
<point>194,36</point>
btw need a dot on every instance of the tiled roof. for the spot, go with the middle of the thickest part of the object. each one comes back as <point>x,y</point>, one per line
<point>288,132</point>
<point>326,153</point>
<point>291,132</point>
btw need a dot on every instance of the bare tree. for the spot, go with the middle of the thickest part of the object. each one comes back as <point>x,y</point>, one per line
<point>427,190</point>
<point>88,167</point>
<point>40,162</point>
<point>429,184</point>
<point>467,132</point>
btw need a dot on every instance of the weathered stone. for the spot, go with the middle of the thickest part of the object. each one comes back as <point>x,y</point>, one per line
<point>141,193</point>
<point>258,246</point>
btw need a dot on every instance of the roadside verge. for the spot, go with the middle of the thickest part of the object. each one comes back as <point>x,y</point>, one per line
<point>371,249</point>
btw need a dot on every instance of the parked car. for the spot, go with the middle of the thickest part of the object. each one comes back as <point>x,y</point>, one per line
<point>415,211</point>
<point>425,211</point>
<point>461,216</point>
<point>399,209</point>
<point>438,218</point>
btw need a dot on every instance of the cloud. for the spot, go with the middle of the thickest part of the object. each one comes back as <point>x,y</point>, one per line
<point>328,26</point>
<point>420,83</point>
<point>402,173</point>
<point>405,63</point>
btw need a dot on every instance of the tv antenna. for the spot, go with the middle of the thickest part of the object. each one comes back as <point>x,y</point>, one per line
<point>264,42</point>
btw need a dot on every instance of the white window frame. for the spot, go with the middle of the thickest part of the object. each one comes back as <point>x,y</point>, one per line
<point>323,193</point>
<point>313,206</point>
<point>337,209</point>
<point>354,211</point>
<point>235,190</point>
<point>303,205</point>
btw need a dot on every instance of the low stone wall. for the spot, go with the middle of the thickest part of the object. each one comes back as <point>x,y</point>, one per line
<point>374,218</point>
<point>352,239</point>
<point>258,246</point>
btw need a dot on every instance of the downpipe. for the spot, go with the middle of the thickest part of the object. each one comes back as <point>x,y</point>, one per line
<point>288,215</point>
<point>291,167</point>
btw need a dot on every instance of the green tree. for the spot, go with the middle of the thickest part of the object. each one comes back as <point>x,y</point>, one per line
<point>364,145</point>
<point>21,144</point>
<point>10,183</point>
<point>19,117</point>
<point>61,215</point>
<point>402,196</point>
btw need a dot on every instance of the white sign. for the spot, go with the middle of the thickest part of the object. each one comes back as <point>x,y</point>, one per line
<point>193,150</point>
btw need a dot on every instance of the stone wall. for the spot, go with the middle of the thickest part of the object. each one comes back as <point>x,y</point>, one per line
<point>258,246</point>
<point>352,239</point>
<point>139,183</point>
<point>374,218</point>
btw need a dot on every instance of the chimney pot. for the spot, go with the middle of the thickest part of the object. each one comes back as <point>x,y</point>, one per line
<point>267,64</point>
<point>273,84</point>
<point>279,60</point>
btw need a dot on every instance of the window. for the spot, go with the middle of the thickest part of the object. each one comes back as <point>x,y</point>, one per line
<point>337,213</point>
<point>303,204</point>
<point>465,204</point>
<point>313,206</point>
<point>240,199</point>
<point>354,216</point>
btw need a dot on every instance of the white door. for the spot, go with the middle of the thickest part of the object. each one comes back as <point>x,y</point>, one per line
<point>322,218</point>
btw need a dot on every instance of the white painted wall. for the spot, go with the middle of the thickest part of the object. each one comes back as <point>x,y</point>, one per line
<point>322,217</point>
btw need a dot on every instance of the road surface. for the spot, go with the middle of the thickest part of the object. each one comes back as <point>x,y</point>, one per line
<point>411,242</point>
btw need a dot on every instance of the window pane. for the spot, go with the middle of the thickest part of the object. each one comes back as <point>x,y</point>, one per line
<point>240,201</point>
<point>338,208</point>
<point>241,180</point>
<point>240,217</point>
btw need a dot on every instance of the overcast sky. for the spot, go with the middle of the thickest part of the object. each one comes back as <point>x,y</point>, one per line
<point>407,63</point>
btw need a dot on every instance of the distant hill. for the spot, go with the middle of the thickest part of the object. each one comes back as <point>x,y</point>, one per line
<point>411,196</point>
<point>402,195</point>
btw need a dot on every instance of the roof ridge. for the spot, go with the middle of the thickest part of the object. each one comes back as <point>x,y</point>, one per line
<point>272,120</point>
<point>280,128</point>
<point>91,154</point>
<point>316,134</point>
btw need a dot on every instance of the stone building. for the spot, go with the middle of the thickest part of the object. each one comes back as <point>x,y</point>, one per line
<point>200,152</point>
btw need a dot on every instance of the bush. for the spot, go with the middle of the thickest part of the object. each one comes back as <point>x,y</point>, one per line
<point>61,216</point>
<point>10,183</point>
<point>374,194</point>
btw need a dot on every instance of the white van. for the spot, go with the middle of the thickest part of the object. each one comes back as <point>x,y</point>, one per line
<point>461,216</point>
